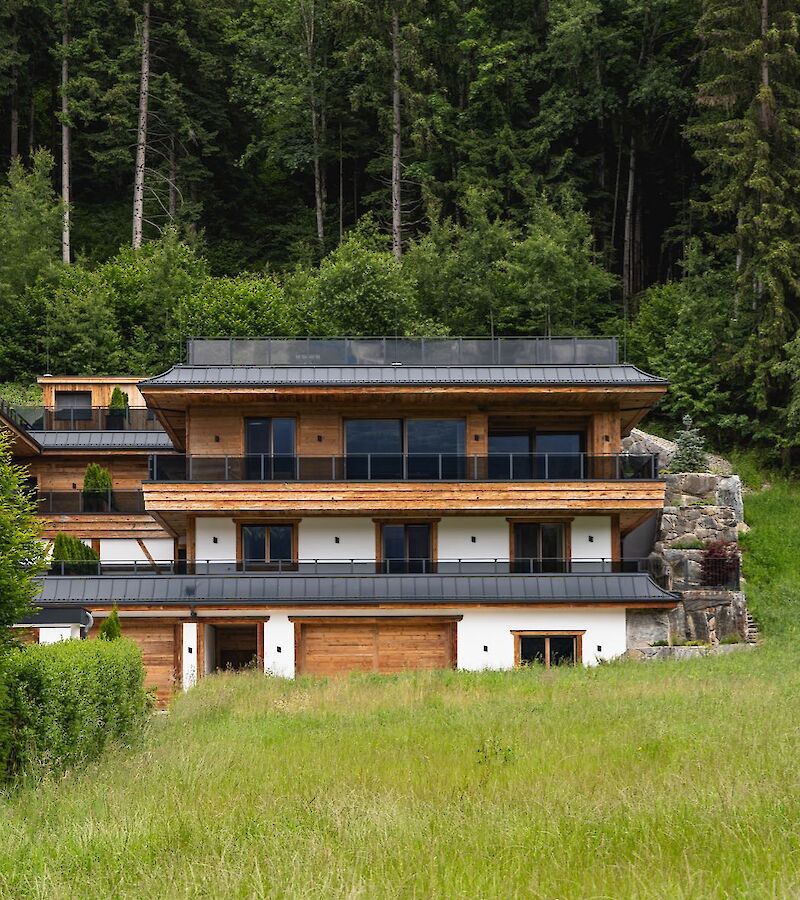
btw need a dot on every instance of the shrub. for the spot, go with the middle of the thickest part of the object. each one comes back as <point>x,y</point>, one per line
<point>119,401</point>
<point>76,558</point>
<point>96,479</point>
<point>691,453</point>
<point>688,543</point>
<point>67,701</point>
<point>111,630</point>
<point>661,643</point>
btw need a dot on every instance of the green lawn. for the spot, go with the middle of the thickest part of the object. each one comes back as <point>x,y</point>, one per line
<point>629,780</point>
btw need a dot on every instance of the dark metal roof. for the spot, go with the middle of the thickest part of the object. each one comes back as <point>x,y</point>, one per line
<point>102,440</point>
<point>57,615</point>
<point>257,376</point>
<point>291,590</point>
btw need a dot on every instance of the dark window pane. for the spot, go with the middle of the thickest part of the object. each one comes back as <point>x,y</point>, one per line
<point>374,449</point>
<point>526,547</point>
<point>280,543</point>
<point>510,442</point>
<point>394,548</point>
<point>510,455</point>
<point>563,451</point>
<point>254,545</point>
<point>283,437</point>
<point>435,448</point>
<point>531,649</point>
<point>256,436</point>
<point>418,540</point>
<point>75,406</point>
<point>562,650</point>
<point>552,548</point>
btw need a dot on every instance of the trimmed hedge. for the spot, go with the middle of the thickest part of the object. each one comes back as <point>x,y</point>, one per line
<point>62,704</point>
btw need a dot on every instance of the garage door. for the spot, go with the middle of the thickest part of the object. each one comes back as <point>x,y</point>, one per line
<point>332,648</point>
<point>156,640</point>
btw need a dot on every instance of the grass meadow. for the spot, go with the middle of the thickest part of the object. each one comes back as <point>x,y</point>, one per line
<point>677,780</point>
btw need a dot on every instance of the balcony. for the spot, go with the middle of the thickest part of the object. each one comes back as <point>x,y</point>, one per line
<point>388,567</point>
<point>387,351</point>
<point>381,467</point>
<point>68,503</point>
<point>96,418</point>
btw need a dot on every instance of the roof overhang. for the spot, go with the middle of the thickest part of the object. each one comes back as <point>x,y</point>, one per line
<point>57,615</point>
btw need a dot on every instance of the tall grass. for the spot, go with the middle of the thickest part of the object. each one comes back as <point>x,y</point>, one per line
<point>654,780</point>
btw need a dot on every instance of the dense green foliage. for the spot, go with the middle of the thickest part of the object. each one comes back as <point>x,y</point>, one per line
<point>22,555</point>
<point>111,630</point>
<point>625,167</point>
<point>96,479</point>
<point>73,556</point>
<point>65,702</point>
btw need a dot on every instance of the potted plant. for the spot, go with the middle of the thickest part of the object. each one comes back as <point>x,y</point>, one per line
<point>117,410</point>
<point>96,489</point>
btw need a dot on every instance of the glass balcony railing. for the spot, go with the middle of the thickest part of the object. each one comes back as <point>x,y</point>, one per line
<point>387,351</point>
<point>79,502</point>
<point>405,467</point>
<point>95,418</point>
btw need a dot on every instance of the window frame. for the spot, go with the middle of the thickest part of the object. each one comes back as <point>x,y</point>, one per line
<point>292,566</point>
<point>434,536</point>
<point>576,634</point>
<point>512,544</point>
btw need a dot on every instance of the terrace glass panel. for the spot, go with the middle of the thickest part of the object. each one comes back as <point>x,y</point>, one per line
<point>563,451</point>
<point>435,448</point>
<point>374,449</point>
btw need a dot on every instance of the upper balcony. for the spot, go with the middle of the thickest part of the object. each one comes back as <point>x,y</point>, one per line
<point>87,418</point>
<point>390,467</point>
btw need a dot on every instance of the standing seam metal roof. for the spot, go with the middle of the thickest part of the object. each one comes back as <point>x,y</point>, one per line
<point>290,589</point>
<point>229,376</point>
<point>102,440</point>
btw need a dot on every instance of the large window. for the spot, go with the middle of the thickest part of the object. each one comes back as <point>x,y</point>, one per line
<point>406,548</point>
<point>539,547</point>
<point>520,454</point>
<point>269,449</point>
<point>388,449</point>
<point>538,648</point>
<point>435,448</point>
<point>267,547</point>
<point>73,406</point>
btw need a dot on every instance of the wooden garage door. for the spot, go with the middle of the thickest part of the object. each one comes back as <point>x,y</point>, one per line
<point>156,640</point>
<point>332,648</point>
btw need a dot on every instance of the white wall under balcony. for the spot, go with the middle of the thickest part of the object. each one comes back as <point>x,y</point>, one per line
<point>118,550</point>
<point>591,537</point>
<point>490,533</point>
<point>279,645</point>
<point>224,530</point>
<point>356,538</point>
<point>604,636</point>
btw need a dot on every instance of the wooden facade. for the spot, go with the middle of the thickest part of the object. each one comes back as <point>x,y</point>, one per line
<point>101,388</point>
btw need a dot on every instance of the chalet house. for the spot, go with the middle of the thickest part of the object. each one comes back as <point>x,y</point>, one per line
<point>328,505</point>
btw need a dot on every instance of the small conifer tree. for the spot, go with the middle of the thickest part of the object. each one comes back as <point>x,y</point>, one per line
<point>119,401</point>
<point>691,454</point>
<point>96,479</point>
<point>111,630</point>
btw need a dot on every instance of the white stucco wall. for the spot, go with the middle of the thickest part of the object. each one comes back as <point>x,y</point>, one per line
<point>224,530</point>
<point>591,537</point>
<point>316,538</point>
<point>491,628</point>
<point>603,638</point>
<point>279,633</point>
<point>118,550</point>
<point>54,635</point>
<point>189,673</point>
<point>491,535</point>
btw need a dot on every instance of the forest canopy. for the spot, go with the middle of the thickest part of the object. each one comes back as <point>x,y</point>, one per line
<point>272,167</point>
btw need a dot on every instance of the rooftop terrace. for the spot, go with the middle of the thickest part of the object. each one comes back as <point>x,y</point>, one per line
<point>387,351</point>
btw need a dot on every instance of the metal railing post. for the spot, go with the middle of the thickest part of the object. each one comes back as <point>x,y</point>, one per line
<point>547,467</point>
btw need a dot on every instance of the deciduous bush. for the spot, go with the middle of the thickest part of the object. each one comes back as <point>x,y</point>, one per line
<point>64,703</point>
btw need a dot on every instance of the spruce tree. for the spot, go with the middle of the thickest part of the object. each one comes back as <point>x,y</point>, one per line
<point>691,454</point>
<point>111,630</point>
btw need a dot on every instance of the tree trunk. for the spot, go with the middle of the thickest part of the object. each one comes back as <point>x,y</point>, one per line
<point>308,14</point>
<point>173,182</point>
<point>141,131</point>
<point>765,111</point>
<point>341,187</point>
<point>627,252</point>
<point>31,122</point>
<point>397,219</point>
<point>66,253</point>
<point>14,136</point>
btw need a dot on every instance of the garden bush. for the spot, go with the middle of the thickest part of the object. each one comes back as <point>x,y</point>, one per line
<point>73,557</point>
<point>62,704</point>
